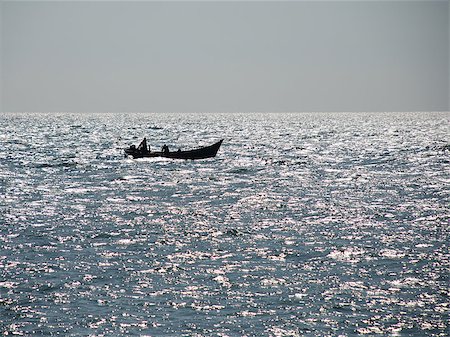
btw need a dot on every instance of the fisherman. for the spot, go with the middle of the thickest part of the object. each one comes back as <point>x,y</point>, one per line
<point>143,146</point>
<point>165,149</point>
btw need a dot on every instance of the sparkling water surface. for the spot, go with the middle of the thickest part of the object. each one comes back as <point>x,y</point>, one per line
<point>321,224</point>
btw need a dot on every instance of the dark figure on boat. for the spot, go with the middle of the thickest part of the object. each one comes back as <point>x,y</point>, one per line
<point>142,148</point>
<point>165,149</point>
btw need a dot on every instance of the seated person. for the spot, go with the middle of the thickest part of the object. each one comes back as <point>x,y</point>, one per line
<point>165,149</point>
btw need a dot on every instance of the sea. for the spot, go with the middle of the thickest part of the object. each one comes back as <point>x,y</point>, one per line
<point>304,224</point>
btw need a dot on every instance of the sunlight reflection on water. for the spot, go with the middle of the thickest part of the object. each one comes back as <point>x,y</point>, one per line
<point>304,224</point>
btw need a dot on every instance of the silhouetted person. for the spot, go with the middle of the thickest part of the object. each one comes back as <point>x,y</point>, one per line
<point>143,146</point>
<point>165,149</point>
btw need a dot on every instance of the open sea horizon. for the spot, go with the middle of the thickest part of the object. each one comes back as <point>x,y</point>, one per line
<point>304,224</point>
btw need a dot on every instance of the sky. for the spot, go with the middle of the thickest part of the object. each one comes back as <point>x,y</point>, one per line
<point>211,56</point>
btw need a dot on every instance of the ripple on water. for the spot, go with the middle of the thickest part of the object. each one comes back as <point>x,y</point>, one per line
<point>305,224</point>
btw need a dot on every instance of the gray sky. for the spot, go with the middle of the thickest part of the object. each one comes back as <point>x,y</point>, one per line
<point>225,56</point>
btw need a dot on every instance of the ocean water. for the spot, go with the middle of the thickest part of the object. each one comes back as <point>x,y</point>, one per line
<point>324,224</point>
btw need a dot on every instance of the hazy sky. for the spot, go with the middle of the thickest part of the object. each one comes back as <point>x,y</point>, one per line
<point>225,56</point>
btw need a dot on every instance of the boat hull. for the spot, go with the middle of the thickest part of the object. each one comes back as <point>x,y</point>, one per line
<point>200,153</point>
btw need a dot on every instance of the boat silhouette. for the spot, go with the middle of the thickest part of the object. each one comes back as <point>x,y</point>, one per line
<point>143,151</point>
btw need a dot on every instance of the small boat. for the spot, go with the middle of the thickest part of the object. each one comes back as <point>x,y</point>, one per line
<point>200,153</point>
